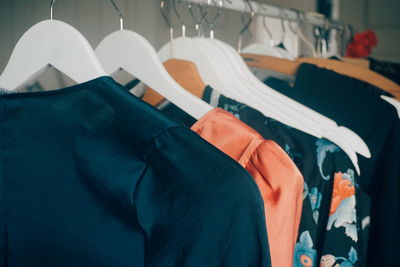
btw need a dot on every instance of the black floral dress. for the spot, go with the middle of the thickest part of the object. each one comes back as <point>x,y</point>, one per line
<point>329,233</point>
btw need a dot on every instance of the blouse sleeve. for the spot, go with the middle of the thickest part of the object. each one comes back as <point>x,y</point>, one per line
<point>281,185</point>
<point>198,207</point>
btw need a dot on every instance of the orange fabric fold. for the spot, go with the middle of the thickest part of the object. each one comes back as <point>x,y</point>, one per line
<point>277,177</point>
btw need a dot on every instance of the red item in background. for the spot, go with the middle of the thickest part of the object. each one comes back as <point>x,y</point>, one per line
<point>362,44</point>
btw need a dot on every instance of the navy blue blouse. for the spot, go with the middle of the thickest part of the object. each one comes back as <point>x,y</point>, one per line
<point>358,106</point>
<point>92,176</point>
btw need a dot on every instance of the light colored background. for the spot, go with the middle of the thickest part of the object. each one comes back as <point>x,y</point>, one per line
<point>382,16</point>
<point>96,18</point>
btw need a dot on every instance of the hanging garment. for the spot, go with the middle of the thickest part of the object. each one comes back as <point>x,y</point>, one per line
<point>279,85</point>
<point>155,99</point>
<point>388,69</point>
<point>291,67</point>
<point>92,176</point>
<point>358,106</point>
<point>329,222</point>
<point>277,177</point>
<point>330,229</point>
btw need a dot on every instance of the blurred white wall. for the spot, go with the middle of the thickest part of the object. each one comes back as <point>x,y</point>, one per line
<point>97,18</point>
<point>382,16</point>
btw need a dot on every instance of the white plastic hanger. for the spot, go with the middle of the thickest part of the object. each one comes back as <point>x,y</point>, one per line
<point>394,102</point>
<point>264,49</point>
<point>336,131</point>
<point>354,140</point>
<point>227,52</point>
<point>300,20</point>
<point>50,43</point>
<point>209,63</point>
<point>188,49</point>
<point>334,134</point>
<point>281,48</point>
<point>278,50</point>
<point>239,89</point>
<point>219,57</point>
<point>330,131</point>
<point>261,89</point>
<point>212,73</point>
<point>184,49</point>
<point>131,52</point>
<point>237,86</point>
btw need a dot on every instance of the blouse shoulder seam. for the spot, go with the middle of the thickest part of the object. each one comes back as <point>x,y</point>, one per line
<point>150,144</point>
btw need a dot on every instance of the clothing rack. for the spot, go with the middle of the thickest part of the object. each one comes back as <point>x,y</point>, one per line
<point>275,12</point>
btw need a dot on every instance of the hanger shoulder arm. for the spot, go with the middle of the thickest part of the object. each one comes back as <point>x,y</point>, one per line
<point>55,43</point>
<point>185,74</point>
<point>131,52</point>
<point>280,65</point>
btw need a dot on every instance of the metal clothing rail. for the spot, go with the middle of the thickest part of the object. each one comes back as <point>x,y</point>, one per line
<point>274,12</point>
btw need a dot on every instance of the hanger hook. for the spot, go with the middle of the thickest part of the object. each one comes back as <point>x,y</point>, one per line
<point>171,29</point>
<point>300,18</point>
<point>164,15</point>
<point>214,19</point>
<point>328,23</point>
<point>282,14</point>
<point>219,12</point>
<point>179,17</point>
<point>322,36</point>
<point>297,12</point>
<point>247,25</point>
<point>198,23</point>
<point>121,18</point>
<point>51,9</point>
<point>264,21</point>
<point>303,17</point>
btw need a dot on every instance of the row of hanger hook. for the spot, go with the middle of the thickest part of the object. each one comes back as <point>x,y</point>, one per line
<point>205,9</point>
<point>204,12</point>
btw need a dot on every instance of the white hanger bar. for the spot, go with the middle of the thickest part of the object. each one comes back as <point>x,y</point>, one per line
<point>272,11</point>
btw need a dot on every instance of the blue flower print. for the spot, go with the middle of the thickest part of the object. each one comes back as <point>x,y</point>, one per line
<point>305,190</point>
<point>234,109</point>
<point>349,175</point>
<point>315,202</point>
<point>304,254</point>
<point>323,147</point>
<point>292,154</point>
<point>315,198</point>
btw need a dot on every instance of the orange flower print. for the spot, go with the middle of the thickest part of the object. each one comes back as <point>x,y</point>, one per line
<point>306,260</point>
<point>343,205</point>
<point>342,189</point>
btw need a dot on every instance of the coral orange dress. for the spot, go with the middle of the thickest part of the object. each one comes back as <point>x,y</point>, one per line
<point>279,180</point>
